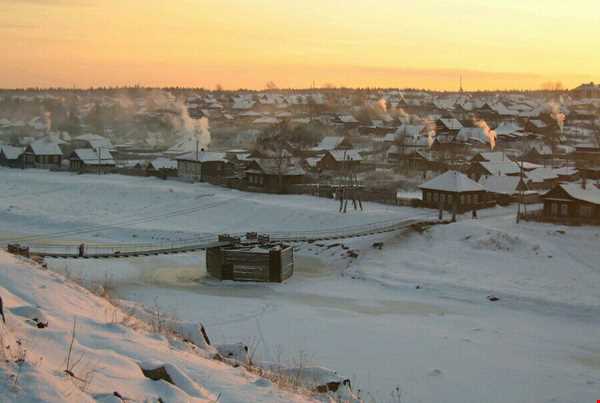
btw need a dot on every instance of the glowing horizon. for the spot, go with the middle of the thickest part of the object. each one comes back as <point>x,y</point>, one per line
<point>509,44</point>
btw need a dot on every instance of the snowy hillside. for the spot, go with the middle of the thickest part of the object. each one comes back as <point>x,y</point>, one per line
<point>109,350</point>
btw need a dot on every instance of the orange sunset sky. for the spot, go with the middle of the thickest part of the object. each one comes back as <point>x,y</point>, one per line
<point>494,44</point>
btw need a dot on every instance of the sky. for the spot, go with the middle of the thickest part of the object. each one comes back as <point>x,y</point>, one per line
<point>493,44</point>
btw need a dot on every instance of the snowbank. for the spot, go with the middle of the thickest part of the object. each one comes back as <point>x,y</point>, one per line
<point>108,354</point>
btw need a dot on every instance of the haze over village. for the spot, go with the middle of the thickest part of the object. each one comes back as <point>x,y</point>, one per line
<point>194,209</point>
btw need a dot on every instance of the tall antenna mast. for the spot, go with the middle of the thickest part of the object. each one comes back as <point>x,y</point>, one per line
<point>461,85</point>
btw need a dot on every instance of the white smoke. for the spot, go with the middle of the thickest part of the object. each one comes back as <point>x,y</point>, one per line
<point>557,115</point>
<point>430,129</point>
<point>47,118</point>
<point>193,133</point>
<point>489,133</point>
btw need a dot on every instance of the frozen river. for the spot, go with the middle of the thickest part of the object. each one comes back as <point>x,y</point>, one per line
<point>433,344</point>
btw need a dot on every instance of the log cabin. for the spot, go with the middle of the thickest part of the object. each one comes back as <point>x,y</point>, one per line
<point>572,203</point>
<point>89,160</point>
<point>453,190</point>
<point>43,154</point>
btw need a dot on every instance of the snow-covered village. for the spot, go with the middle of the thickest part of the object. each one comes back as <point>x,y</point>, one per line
<point>431,236</point>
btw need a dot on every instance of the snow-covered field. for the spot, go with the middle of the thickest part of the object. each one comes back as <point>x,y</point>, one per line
<point>365,317</point>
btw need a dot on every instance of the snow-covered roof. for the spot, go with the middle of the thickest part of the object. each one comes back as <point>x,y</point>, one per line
<point>345,155</point>
<point>507,185</point>
<point>45,147</point>
<point>466,134</point>
<point>508,129</point>
<point>494,156</point>
<point>329,143</point>
<point>95,140</point>
<point>451,123</point>
<point>203,156</point>
<point>590,194</point>
<point>266,120</point>
<point>565,171</point>
<point>312,161</point>
<point>347,119</point>
<point>11,152</point>
<point>452,181</point>
<point>541,174</point>
<point>502,167</point>
<point>90,156</point>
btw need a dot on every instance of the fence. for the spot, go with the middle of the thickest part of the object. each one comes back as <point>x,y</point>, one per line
<point>538,216</point>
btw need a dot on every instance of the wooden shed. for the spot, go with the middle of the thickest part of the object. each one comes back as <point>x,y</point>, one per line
<point>269,263</point>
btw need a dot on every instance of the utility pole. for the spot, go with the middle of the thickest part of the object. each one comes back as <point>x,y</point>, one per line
<point>520,193</point>
<point>99,151</point>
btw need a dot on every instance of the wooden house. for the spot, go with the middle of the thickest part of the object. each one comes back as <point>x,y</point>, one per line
<point>203,166</point>
<point>542,178</point>
<point>490,157</point>
<point>503,189</point>
<point>271,262</point>
<point>90,160</point>
<point>486,112</point>
<point>329,143</point>
<point>274,175</point>
<point>423,161</point>
<point>43,154</point>
<point>11,156</point>
<point>539,154</point>
<point>338,160</point>
<point>447,126</point>
<point>541,127</point>
<point>572,203</point>
<point>453,190</point>
<point>477,169</point>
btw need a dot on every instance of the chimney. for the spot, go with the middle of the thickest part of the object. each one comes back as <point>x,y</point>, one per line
<point>583,182</point>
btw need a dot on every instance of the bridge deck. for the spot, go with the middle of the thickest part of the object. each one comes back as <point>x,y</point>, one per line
<point>136,250</point>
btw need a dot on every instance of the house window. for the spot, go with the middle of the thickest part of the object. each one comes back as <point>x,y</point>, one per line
<point>585,211</point>
<point>462,200</point>
<point>435,197</point>
<point>554,209</point>
<point>468,200</point>
<point>475,199</point>
<point>564,209</point>
<point>428,197</point>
